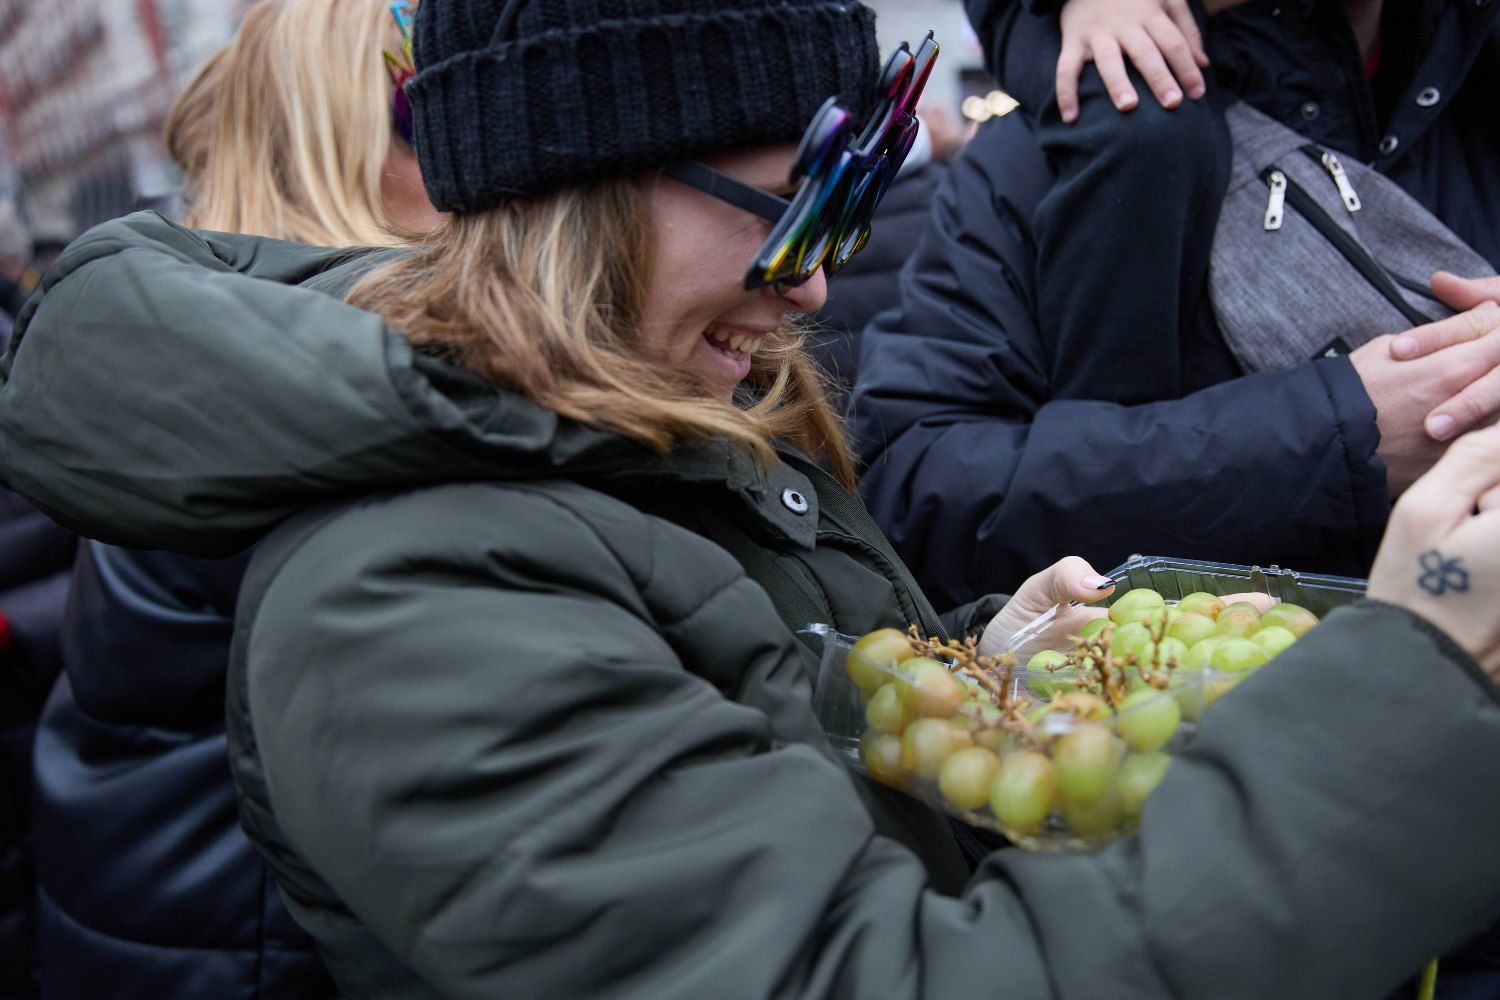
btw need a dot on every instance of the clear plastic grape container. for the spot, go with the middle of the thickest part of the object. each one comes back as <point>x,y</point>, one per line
<point>1059,744</point>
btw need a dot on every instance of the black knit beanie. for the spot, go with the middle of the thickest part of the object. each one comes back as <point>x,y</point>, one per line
<point>575,90</point>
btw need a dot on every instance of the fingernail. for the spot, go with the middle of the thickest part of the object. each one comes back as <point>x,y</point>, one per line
<point>1441,427</point>
<point>1096,582</point>
<point>1404,347</point>
<point>1196,91</point>
<point>1174,96</point>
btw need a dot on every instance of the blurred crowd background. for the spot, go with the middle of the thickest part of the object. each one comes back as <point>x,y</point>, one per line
<point>85,86</point>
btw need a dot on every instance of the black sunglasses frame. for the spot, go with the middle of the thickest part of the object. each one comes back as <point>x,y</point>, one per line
<point>718,184</point>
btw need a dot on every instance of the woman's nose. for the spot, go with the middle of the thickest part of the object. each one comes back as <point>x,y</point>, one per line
<point>807,297</point>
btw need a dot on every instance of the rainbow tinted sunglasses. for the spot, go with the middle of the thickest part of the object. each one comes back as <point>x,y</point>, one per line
<point>842,176</point>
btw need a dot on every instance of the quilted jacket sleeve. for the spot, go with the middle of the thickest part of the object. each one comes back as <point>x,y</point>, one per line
<point>526,786</point>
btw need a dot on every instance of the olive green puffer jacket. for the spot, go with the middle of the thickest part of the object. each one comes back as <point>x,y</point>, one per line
<point>513,713</point>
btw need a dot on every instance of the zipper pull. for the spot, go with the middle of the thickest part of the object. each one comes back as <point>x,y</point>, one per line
<point>1341,179</point>
<point>1278,201</point>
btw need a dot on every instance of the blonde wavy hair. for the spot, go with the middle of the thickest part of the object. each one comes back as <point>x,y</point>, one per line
<point>544,297</point>
<point>285,130</point>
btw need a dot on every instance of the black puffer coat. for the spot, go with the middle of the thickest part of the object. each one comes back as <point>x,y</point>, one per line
<point>147,886</point>
<point>978,469</point>
<point>35,555</point>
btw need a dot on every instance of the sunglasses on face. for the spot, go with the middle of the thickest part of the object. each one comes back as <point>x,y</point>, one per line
<point>842,175</point>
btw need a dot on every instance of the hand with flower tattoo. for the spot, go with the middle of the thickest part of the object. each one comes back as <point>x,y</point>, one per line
<point>1440,575</point>
<point>1441,554</point>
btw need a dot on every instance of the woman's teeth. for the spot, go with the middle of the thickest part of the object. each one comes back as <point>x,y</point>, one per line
<point>746,343</point>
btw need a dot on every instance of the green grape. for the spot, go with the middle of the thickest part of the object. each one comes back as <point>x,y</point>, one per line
<point>1085,760</point>
<point>1080,705</point>
<point>928,742</point>
<point>1042,681</point>
<point>882,648</point>
<point>881,753</point>
<point>1131,639</point>
<point>1148,719</point>
<point>1203,604</point>
<point>1237,622</point>
<point>994,739</point>
<point>1158,618</point>
<point>1096,817</point>
<point>886,712</point>
<point>1023,790</point>
<point>964,779</point>
<point>1047,659</point>
<point>1093,627</point>
<point>1234,656</point>
<point>979,713</point>
<point>1191,628</point>
<point>1294,618</point>
<point>1273,639</point>
<point>1139,774</point>
<point>1215,690</point>
<point>1243,606</point>
<point>1202,652</point>
<point>1190,700</point>
<point>1134,604</point>
<point>931,688</point>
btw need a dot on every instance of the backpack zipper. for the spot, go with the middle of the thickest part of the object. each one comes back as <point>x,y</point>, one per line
<point>1335,168</point>
<point>1346,245</point>
<point>1277,205</point>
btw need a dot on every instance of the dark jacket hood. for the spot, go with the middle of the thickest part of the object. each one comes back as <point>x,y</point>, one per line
<point>170,388</point>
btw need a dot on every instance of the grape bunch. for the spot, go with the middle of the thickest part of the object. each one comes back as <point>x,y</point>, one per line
<point>1064,752</point>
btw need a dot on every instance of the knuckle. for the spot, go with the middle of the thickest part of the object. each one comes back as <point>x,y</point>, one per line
<point>1418,505</point>
<point>1469,408</point>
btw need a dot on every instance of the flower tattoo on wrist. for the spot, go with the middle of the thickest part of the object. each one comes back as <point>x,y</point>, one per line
<point>1440,575</point>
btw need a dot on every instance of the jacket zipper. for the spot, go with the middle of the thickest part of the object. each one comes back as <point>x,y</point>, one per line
<point>1345,244</point>
<point>1330,162</point>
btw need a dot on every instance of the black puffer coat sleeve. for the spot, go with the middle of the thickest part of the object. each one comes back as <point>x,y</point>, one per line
<point>980,478</point>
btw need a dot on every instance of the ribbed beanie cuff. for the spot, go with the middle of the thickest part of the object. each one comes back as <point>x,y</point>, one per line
<point>543,111</point>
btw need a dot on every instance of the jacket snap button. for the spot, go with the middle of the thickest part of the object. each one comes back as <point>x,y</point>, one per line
<point>794,501</point>
<point>1310,110</point>
<point>1428,97</point>
<point>1388,145</point>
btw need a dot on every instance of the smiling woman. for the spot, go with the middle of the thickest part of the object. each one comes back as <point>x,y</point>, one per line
<point>621,303</point>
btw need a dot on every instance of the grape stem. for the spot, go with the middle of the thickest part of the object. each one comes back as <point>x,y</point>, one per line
<point>992,673</point>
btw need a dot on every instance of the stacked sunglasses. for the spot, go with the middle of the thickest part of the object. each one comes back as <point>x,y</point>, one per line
<point>841,175</point>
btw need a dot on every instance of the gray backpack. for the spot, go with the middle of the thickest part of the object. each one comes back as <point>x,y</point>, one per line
<point>1315,255</point>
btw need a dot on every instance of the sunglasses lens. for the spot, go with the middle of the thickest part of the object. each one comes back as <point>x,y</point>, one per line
<point>822,141</point>
<point>829,220</point>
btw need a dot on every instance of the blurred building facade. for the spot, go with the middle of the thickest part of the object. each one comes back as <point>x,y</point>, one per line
<point>85,86</point>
